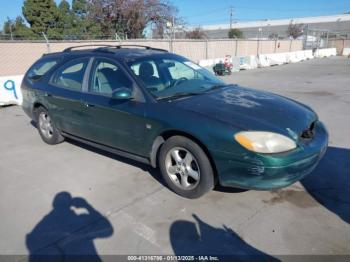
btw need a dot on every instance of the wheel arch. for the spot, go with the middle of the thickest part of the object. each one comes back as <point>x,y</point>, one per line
<point>161,138</point>
<point>35,107</point>
<point>38,104</point>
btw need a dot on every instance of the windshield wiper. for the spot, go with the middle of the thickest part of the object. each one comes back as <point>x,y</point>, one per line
<point>185,94</point>
<point>179,95</point>
<point>214,87</point>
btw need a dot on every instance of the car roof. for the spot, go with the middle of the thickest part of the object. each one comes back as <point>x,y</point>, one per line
<point>122,51</point>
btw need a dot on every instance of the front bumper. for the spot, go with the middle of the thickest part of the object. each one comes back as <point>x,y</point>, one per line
<point>270,171</point>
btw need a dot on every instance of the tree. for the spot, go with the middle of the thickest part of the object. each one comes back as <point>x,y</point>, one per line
<point>196,33</point>
<point>64,8</point>
<point>81,22</point>
<point>8,26</point>
<point>40,14</point>
<point>161,13</point>
<point>21,29</point>
<point>64,19</point>
<point>80,8</point>
<point>295,30</point>
<point>97,18</point>
<point>235,33</point>
<point>17,28</point>
<point>130,18</point>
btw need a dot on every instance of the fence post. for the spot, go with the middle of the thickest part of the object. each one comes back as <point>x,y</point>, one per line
<point>236,47</point>
<point>206,48</point>
<point>117,38</point>
<point>47,43</point>
<point>275,46</point>
<point>171,48</point>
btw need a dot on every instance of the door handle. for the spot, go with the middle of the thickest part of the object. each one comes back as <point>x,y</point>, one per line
<point>47,94</point>
<point>88,105</point>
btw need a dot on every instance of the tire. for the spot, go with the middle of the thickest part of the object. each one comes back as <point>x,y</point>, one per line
<point>190,178</point>
<point>46,128</point>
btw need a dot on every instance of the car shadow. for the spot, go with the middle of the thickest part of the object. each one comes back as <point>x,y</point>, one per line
<point>202,239</point>
<point>154,172</point>
<point>68,231</point>
<point>329,183</point>
<point>229,190</point>
<point>34,124</point>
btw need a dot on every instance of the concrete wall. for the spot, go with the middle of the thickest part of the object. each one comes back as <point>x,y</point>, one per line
<point>17,57</point>
<point>339,44</point>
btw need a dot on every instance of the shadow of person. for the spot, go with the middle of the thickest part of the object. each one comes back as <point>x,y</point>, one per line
<point>189,238</point>
<point>329,183</point>
<point>68,231</point>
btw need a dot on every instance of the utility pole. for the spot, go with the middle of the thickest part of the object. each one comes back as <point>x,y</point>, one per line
<point>231,16</point>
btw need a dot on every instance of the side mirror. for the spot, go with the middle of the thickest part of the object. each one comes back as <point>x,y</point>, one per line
<point>122,93</point>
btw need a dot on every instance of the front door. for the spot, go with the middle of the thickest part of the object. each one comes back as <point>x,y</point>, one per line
<point>118,123</point>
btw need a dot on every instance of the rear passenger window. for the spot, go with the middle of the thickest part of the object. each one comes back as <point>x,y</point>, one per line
<point>39,69</point>
<point>71,74</point>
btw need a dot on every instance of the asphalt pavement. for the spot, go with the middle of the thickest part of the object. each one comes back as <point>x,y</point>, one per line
<point>73,197</point>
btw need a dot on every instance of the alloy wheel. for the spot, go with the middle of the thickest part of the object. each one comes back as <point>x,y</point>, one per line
<point>45,125</point>
<point>182,168</point>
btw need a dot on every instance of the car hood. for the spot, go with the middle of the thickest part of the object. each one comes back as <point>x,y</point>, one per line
<point>249,109</point>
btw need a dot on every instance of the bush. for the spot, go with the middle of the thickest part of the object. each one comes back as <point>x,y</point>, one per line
<point>235,33</point>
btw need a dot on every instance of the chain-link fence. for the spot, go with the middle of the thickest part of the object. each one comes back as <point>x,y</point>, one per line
<point>66,37</point>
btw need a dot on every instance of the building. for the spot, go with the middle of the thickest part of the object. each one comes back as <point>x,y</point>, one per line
<point>333,25</point>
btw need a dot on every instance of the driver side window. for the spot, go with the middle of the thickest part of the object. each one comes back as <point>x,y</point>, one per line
<point>107,78</point>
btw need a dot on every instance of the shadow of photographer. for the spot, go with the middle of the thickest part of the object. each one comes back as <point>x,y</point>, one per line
<point>200,238</point>
<point>68,231</point>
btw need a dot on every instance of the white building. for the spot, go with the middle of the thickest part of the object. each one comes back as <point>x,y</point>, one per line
<point>336,25</point>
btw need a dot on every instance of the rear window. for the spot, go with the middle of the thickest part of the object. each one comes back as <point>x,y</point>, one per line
<point>39,69</point>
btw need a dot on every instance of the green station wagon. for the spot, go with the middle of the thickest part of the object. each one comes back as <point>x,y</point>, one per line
<point>164,110</point>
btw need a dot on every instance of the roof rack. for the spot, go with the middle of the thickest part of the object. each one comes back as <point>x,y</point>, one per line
<point>142,46</point>
<point>80,46</point>
<point>103,47</point>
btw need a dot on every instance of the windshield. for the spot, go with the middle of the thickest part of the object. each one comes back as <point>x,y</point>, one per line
<point>170,76</point>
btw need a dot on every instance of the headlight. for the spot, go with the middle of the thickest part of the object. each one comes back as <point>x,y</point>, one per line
<point>265,142</point>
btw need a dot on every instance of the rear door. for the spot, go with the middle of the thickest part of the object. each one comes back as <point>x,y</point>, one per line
<point>64,96</point>
<point>118,123</point>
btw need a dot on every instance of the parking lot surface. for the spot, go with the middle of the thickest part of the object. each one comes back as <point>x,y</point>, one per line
<point>73,197</point>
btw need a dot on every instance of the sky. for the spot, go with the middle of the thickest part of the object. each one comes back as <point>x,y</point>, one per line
<point>208,12</point>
